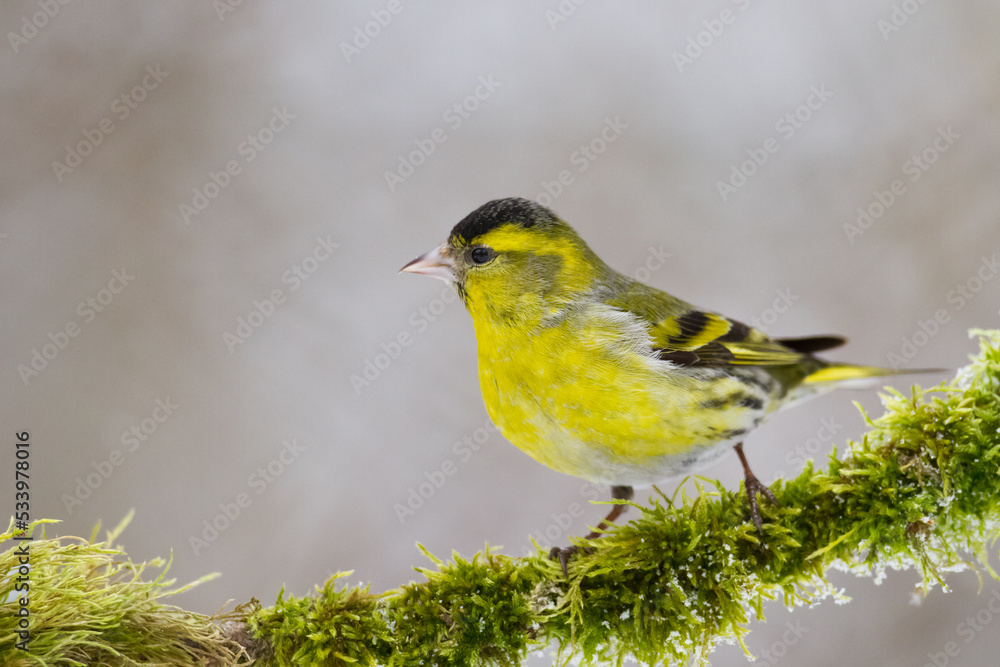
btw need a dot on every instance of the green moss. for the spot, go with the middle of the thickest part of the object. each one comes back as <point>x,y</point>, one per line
<point>921,490</point>
<point>468,612</point>
<point>341,626</point>
<point>90,605</point>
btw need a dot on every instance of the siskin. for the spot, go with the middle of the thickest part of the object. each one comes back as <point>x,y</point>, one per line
<point>602,377</point>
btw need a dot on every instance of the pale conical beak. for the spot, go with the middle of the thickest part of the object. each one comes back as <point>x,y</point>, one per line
<point>436,263</point>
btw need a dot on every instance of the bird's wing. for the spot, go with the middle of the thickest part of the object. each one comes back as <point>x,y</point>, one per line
<point>703,338</point>
<point>687,336</point>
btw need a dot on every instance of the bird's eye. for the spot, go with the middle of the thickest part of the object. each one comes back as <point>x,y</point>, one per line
<point>482,255</point>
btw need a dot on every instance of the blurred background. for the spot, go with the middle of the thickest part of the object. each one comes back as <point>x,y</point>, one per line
<point>204,207</point>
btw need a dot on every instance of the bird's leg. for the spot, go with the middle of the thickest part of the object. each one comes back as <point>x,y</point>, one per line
<point>617,493</point>
<point>754,486</point>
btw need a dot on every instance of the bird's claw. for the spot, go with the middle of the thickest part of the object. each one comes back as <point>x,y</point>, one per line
<point>755,486</point>
<point>563,554</point>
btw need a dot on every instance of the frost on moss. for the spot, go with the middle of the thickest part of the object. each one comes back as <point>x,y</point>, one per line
<point>921,490</point>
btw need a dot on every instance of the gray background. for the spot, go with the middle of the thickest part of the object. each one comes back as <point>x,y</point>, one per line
<point>332,507</point>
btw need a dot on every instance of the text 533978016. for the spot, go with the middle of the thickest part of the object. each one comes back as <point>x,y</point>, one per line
<point>22,521</point>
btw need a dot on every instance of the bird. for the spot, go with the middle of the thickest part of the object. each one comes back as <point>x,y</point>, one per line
<point>599,376</point>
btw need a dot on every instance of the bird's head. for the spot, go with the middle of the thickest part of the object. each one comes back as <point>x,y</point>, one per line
<point>513,259</point>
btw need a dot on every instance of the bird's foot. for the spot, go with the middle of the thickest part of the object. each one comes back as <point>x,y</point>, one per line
<point>563,554</point>
<point>755,486</point>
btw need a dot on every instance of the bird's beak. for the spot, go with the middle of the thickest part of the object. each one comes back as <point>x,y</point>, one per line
<point>436,263</point>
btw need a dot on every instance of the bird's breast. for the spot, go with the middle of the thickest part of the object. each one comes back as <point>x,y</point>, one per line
<point>586,396</point>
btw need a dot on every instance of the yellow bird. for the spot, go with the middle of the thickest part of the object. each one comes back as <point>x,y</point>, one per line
<point>602,377</point>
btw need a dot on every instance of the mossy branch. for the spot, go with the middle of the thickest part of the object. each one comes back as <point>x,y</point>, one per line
<point>921,490</point>
<point>87,604</point>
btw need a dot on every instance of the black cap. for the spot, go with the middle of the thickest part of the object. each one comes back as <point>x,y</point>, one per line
<point>514,210</point>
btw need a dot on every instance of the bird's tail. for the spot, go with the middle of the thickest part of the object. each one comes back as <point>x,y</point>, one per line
<point>849,376</point>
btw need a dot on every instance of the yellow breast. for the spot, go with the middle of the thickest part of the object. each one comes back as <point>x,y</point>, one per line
<point>583,394</point>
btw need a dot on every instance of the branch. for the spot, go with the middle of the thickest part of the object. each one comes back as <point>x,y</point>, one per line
<point>921,490</point>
